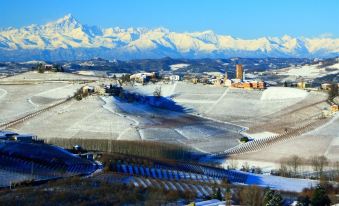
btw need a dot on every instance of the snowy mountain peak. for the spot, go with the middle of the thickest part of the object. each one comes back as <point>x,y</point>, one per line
<point>67,19</point>
<point>67,39</point>
<point>66,22</point>
<point>68,16</point>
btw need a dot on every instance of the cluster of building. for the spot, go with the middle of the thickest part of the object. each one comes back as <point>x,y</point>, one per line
<point>88,89</point>
<point>215,78</point>
<point>143,77</point>
<point>334,89</point>
<point>240,82</point>
<point>218,79</point>
<point>334,108</point>
<point>172,77</point>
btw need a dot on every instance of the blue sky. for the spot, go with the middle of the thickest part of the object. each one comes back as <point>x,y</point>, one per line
<point>239,18</point>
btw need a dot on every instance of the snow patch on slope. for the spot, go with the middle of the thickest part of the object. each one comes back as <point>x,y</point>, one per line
<point>281,93</point>
<point>175,67</point>
<point>60,92</point>
<point>309,71</point>
<point>281,183</point>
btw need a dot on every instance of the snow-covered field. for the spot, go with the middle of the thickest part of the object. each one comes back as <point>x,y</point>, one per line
<point>47,76</point>
<point>17,100</point>
<point>308,71</point>
<point>266,112</point>
<point>175,67</point>
<point>89,73</point>
<point>79,119</point>
<point>168,126</point>
<point>282,93</point>
<point>93,118</point>
<point>3,93</point>
<point>233,105</point>
<point>52,95</point>
<point>212,120</point>
<point>281,183</point>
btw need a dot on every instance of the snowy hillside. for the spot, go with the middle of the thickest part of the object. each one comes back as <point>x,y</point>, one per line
<point>68,39</point>
<point>283,93</point>
<point>308,72</point>
<point>175,67</point>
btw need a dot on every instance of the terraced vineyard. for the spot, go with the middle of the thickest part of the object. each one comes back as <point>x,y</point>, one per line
<point>257,145</point>
<point>22,161</point>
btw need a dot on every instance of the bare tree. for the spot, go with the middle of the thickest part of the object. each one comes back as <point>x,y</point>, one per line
<point>283,170</point>
<point>245,167</point>
<point>233,163</point>
<point>40,67</point>
<point>318,164</point>
<point>294,163</point>
<point>252,196</point>
<point>336,171</point>
<point>336,166</point>
<point>157,92</point>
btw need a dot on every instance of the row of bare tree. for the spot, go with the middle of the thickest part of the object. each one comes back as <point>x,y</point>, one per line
<point>294,166</point>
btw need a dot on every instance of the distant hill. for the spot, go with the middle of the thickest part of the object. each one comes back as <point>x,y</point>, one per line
<point>68,39</point>
<point>178,66</point>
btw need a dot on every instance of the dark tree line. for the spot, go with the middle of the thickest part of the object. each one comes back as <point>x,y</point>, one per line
<point>138,148</point>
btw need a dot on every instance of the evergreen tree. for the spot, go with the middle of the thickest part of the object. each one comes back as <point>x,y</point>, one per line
<point>285,84</point>
<point>40,67</point>
<point>303,201</point>
<point>217,194</point>
<point>268,196</point>
<point>320,197</point>
<point>272,198</point>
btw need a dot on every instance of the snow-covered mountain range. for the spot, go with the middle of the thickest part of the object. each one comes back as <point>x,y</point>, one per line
<point>68,39</point>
